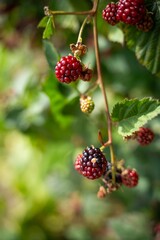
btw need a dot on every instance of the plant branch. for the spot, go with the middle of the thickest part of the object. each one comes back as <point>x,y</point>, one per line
<point>100,80</point>
<point>91,12</point>
<point>79,40</point>
<point>102,86</point>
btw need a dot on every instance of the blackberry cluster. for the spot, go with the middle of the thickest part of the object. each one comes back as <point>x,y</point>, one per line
<point>123,176</point>
<point>129,12</point>
<point>68,69</point>
<point>91,163</point>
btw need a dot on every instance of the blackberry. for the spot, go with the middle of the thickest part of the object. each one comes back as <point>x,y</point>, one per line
<point>86,104</point>
<point>146,24</point>
<point>86,74</point>
<point>144,136</point>
<point>109,14</point>
<point>93,163</point>
<point>130,177</point>
<point>131,12</point>
<point>68,69</point>
<point>108,174</point>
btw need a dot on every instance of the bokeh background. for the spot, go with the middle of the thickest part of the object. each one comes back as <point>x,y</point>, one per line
<point>42,130</point>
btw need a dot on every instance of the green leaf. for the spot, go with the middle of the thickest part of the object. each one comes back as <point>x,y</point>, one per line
<point>146,44</point>
<point>48,23</point>
<point>132,114</point>
<point>51,53</point>
<point>43,22</point>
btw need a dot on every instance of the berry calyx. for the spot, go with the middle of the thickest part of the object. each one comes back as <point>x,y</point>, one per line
<point>86,104</point>
<point>130,177</point>
<point>101,192</point>
<point>68,69</point>
<point>78,49</point>
<point>92,164</point>
<point>131,12</point>
<point>144,136</point>
<point>109,14</point>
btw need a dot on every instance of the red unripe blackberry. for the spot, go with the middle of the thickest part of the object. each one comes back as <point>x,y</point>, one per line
<point>131,11</point>
<point>77,164</point>
<point>130,177</point>
<point>109,14</point>
<point>86,74</point>
<point>92,163</point>
<point>68,69</point>
<point>146,24</point>
<point>144,136</point>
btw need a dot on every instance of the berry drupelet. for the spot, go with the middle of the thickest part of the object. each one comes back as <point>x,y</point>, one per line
<point>68,69</point>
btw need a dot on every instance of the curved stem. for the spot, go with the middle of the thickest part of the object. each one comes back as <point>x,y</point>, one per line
<point>79,40</point>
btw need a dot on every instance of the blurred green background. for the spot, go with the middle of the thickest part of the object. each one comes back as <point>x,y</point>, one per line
<point>41,195</point>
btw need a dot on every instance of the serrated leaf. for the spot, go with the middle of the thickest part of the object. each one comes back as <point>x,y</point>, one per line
<point>50,53</point>
<point>132,114</point>
<point>146,44</point>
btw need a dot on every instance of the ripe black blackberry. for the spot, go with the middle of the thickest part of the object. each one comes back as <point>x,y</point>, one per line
<point>93,163</point>
<point>68,69</point>
<point>144,136</point>
<point>131,12</point>
<point>109,14</point>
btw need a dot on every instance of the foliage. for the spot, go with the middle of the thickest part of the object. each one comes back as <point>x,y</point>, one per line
<point>43,130</point>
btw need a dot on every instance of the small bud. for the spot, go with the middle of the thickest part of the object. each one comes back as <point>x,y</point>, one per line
<point>102,192</point>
